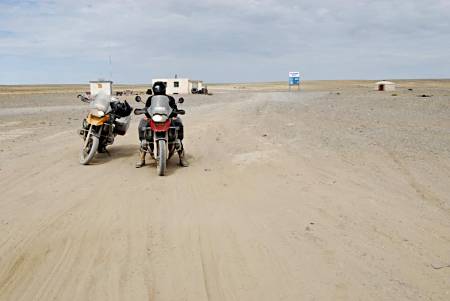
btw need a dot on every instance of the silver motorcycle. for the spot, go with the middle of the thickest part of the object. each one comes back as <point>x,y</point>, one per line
<point>107,118</point>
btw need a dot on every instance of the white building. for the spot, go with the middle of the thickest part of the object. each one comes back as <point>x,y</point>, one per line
<point>179,85</point>
<point>385,86</point>
<point>104,86</point>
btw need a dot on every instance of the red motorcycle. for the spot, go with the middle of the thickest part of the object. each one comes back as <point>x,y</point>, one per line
<point>161,138</point>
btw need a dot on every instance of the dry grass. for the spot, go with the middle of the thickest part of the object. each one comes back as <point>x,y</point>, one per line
<point>326,85</point>
<point>58,89</point>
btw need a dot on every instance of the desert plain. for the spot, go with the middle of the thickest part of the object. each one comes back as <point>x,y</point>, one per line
<point>333,192</point>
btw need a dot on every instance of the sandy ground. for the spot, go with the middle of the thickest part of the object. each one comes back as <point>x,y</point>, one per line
<point>336,192</point>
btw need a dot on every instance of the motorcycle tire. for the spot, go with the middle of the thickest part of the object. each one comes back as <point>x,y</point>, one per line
<point>88,153</point>
<point>162,160</point>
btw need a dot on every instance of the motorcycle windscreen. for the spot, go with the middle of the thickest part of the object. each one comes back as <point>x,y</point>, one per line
<point>160,105</point>
<point>101,102</point>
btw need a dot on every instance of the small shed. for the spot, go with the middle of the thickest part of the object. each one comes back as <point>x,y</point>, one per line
<point>385,86</point>
<point>97,86</point>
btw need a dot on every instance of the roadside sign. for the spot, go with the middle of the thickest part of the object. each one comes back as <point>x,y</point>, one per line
<point>294,79</point>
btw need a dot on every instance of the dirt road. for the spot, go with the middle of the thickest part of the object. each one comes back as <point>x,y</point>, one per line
<point>300,196</point>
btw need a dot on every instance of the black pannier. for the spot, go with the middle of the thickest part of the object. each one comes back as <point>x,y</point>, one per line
<point>121,109</point>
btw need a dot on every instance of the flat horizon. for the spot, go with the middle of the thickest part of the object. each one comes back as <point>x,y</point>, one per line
<point>242,82</point>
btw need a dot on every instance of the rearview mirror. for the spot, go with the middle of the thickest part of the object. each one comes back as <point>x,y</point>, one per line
<point>149,92</point>
<point>139,111</point>
<point>138,98</point>
<point>83,98</point>
<point>180,100</point>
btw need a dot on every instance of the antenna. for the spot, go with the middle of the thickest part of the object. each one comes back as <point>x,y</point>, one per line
<point>110,68</point>
<point>109,45</point>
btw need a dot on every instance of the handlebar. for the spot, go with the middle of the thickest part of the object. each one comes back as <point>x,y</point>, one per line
<point>139,111</point>
<point>83,98</point>
<point>143,111</point>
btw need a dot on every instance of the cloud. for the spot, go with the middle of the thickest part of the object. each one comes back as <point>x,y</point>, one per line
<point>223,40</point>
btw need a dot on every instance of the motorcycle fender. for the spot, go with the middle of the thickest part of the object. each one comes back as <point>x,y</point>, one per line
<point>91,130</point>
<point>162,136</point>
<point>97,131</point>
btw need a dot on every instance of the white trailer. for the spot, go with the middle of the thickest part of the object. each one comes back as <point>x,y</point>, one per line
<point>97,86</point>
<point>179,85</point>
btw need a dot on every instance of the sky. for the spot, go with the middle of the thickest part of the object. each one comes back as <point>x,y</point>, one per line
<point>133,41</point>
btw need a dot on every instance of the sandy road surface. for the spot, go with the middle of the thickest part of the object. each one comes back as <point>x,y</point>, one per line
<point>302,196</point>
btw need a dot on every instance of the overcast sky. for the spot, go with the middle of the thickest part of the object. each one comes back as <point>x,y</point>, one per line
<point>68,41</point>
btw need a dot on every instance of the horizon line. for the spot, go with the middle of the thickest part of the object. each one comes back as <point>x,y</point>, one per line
<point>231,83</point>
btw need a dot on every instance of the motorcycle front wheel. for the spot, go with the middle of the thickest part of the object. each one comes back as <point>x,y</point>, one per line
<point>162,160</point>
<point>89,149</point>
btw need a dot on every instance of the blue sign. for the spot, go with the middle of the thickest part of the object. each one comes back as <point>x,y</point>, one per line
<point>294,80</point>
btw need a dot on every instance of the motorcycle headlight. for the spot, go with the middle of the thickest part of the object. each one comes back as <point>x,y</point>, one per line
<point>97,113</point>
<point>157,118</point>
